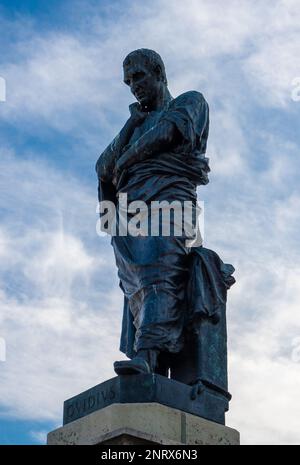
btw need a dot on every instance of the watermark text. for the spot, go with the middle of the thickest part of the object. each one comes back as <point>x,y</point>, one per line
<point>157,218</point>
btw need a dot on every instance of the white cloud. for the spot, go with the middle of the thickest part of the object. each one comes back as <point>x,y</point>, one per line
<point>39,436</point>
<point>55,348</point>
<point>57,76</point>
<point>65,79</point>
<point>63,257</point>
<point>58,291</point>
<point>273,65</point>
<point>265,390</point>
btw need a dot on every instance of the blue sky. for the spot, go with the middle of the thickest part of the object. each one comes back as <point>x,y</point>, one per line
<point>60,306</point>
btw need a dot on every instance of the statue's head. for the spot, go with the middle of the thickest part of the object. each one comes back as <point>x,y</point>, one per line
<point>144,73</point>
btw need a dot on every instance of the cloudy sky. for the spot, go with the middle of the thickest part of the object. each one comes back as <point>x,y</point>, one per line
<point>60,305</point>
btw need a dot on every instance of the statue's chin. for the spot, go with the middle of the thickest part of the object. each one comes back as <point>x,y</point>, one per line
<point>144,103</point>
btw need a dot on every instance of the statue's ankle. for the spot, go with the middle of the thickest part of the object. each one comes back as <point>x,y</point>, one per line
<point>150,355</point>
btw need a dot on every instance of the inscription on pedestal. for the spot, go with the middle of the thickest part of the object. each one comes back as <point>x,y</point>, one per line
<point>208,404</point>
<point>87,402</point>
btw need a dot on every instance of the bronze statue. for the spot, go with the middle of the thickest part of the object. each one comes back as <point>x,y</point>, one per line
<point>174,321</point>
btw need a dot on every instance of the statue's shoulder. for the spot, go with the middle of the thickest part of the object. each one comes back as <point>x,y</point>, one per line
<point>188,98</point>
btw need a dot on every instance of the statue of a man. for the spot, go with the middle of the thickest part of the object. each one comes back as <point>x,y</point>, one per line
<point>171,289</point>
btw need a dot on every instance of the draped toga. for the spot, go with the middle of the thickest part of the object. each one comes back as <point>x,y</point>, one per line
<point>166,283</point>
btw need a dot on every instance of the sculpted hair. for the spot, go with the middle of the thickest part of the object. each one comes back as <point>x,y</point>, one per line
<point>150,58</point>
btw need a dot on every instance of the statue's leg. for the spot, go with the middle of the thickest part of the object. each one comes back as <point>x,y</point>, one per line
<point>183,365</point>
<point>153,277</point>
<point>159,323</point>
<point>163,364</point>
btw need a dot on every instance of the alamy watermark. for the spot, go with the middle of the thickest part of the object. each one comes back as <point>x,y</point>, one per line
<point>159,218</point>
<point>2,350</point>
<point>2,89</point>
<point>295,94</point>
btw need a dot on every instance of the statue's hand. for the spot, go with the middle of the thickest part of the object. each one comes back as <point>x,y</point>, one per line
<point>121,164</point>
<point>116,176</point>
<point>126,160</point>
<point>137,116</point>
<point>119,175</point>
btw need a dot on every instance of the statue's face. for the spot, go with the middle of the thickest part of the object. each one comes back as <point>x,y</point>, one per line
<point>144,84</point>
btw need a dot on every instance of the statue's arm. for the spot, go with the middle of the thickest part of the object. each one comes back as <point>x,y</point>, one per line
<point>106,162</point>
<point>186,121</point>
<point>159,138</point>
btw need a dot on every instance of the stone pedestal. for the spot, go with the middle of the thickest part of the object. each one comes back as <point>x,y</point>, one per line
<point>209,403</point>
<point>142,423</point>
